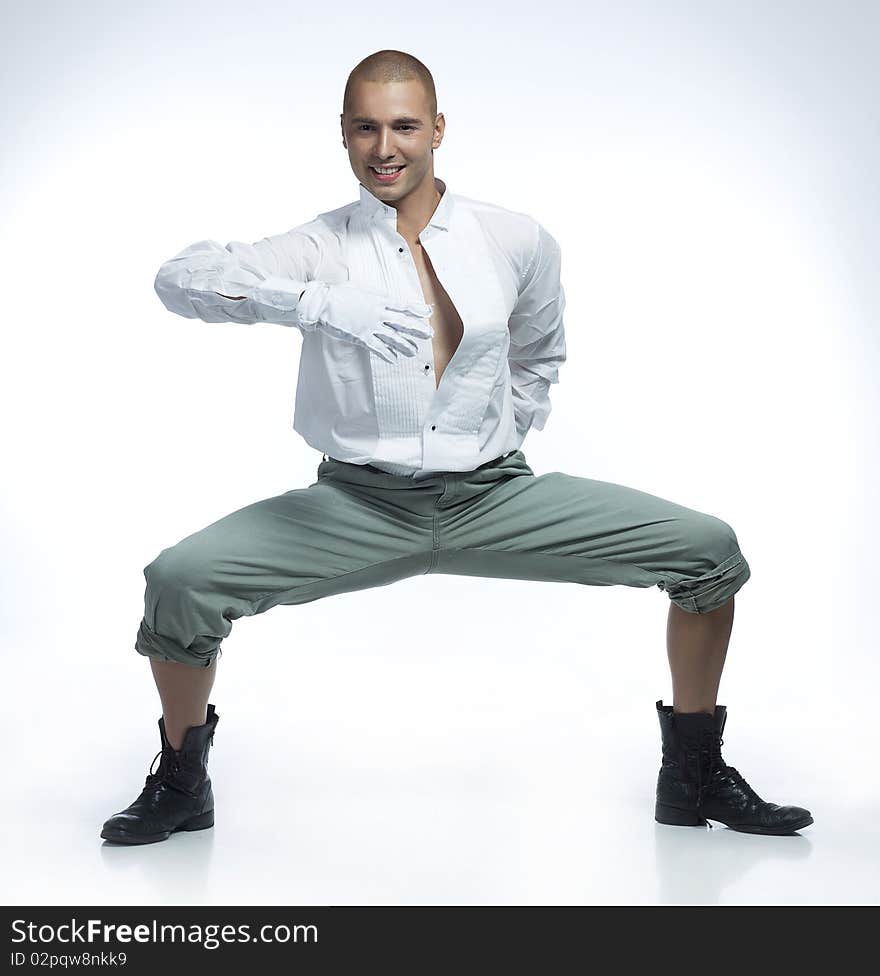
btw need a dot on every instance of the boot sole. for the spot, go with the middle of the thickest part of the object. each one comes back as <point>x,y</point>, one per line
<point>665,814</point>
<point>202,822</point>
<point>785,829</point>
<point>677,817</point>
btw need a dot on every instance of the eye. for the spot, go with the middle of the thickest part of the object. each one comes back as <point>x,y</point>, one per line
<point>366,125</point>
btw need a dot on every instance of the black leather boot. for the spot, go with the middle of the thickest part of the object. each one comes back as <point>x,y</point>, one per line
<point>696,785</point>
<point>178,796</point>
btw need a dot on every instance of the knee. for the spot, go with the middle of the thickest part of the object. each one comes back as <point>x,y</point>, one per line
<point>174,569</point>
<point>716,568</point>
<point>711,539</point>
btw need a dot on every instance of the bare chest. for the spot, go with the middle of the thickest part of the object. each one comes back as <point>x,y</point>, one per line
<point>445,321</point>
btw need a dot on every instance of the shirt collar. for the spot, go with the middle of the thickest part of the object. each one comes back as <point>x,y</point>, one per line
<point>375,209</point>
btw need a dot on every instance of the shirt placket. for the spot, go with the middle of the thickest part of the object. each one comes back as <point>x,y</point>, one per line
<point>403,388</point>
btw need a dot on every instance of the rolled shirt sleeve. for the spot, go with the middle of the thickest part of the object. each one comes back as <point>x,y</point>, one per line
<point>240,282</point>
<point>537,335</point>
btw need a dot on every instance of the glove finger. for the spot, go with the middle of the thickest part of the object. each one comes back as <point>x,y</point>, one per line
<point>416,309</point>
<point>410,348</point>
<point>396,345</point>
<point>421,332</point>
<point>382,351</point>
<point>401,344</point>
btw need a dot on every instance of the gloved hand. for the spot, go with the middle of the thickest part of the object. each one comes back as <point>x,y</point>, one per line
<point>379,322</point>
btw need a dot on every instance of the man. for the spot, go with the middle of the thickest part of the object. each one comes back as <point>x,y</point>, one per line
<point>432,329</point>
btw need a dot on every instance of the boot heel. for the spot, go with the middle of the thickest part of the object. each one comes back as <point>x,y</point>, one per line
<point>666,814</point>
<point>199,823</point>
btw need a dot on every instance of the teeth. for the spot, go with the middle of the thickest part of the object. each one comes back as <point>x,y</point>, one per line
<point>386,172</point>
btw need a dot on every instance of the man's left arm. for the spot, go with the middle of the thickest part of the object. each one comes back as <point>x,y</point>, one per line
<point>537,335</point>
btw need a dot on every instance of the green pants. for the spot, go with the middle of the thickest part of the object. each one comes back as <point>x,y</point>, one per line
<point>357,527</point>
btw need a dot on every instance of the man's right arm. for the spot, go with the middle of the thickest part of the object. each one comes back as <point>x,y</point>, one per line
<point>239,282</point>
<point>241,298</point>
<point>275,280</point>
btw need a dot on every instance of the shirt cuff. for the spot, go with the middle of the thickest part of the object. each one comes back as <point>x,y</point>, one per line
<point>288,296</point>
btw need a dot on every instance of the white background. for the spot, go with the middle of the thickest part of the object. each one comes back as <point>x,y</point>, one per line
<point>711,172</point>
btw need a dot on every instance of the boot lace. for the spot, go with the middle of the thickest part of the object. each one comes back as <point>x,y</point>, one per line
<point>704,751</point>
<point>707,752</point>
<point>167,771</point>
<point>709,761</point>
<point>169,768</point>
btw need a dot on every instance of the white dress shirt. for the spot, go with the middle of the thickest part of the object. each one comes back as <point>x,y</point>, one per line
<point>501,270</point>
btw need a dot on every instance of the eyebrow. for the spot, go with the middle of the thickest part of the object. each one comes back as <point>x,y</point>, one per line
<point>403,119</point>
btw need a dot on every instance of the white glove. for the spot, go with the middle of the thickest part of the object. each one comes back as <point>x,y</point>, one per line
<point>380,323</point>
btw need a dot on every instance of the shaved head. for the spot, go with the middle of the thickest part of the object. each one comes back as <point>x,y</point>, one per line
<point>387,66</point>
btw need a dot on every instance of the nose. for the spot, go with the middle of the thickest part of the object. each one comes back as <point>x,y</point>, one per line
<point>385,148</point>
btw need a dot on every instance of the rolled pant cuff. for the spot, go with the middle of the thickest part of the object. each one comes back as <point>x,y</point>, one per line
<point>154,645</point>
<point>712,590</point>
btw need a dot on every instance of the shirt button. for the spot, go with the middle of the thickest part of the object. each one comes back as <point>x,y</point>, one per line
<point>433,426</point>
<point>400,249</point>
<point>427,365</point>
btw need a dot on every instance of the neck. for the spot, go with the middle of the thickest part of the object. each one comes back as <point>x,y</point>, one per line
<point>416,209</point>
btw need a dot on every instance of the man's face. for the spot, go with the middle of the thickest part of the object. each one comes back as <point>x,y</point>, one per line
<point>389,125</point>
